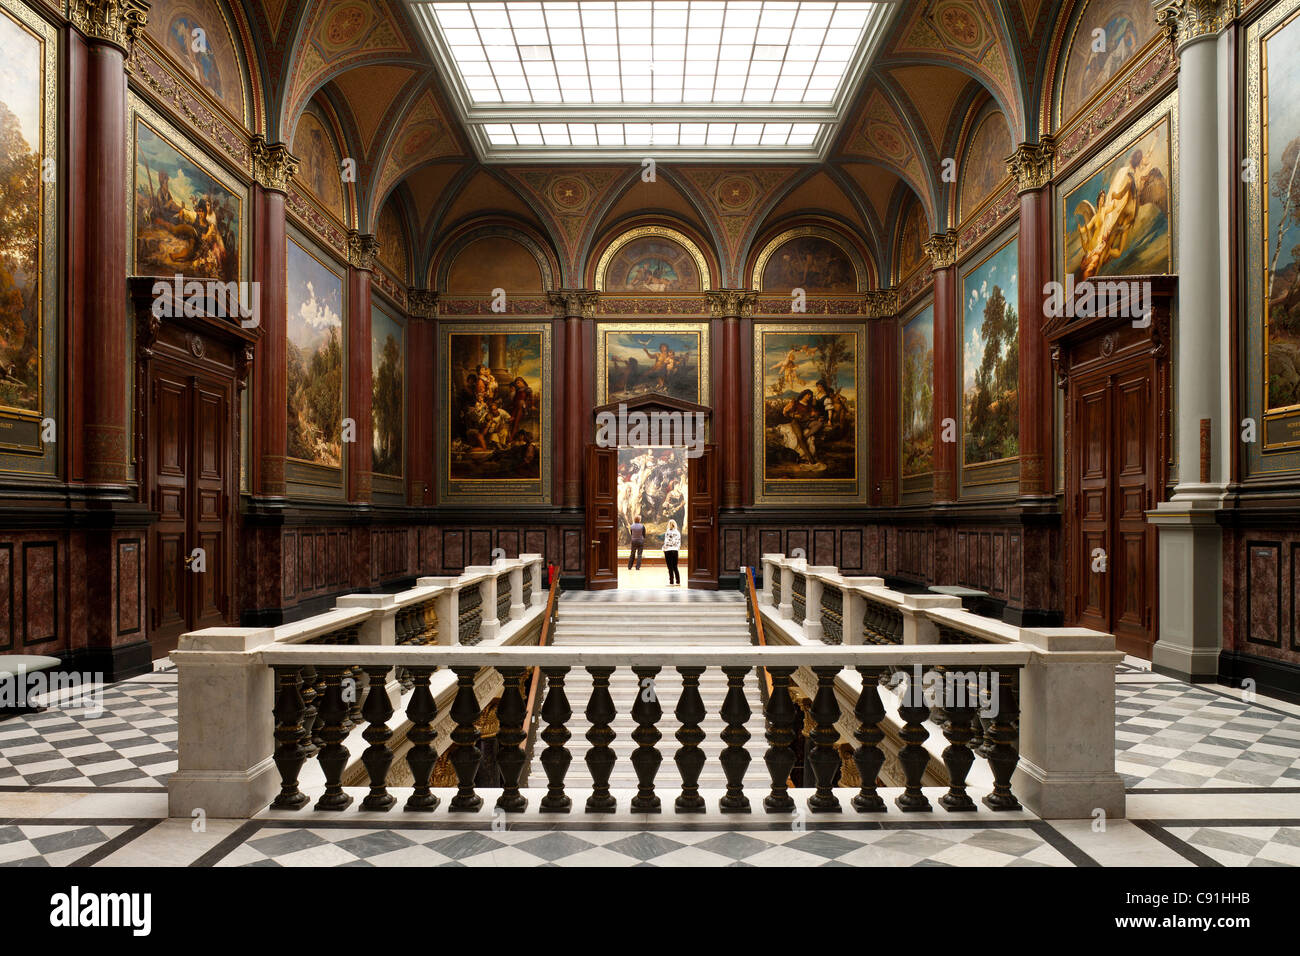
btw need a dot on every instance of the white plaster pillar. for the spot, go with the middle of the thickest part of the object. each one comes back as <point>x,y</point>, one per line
<point>487,589</point>
<point>446,606</point>
<point>812,611</point>
<point>917,626</point>
<point>536,568</point>
<point>379,628</point>
<point>1067,725</point>
<point>517,593</point>
<point>1190,542</point>
<point>786,608</point>
<point>225,726</point>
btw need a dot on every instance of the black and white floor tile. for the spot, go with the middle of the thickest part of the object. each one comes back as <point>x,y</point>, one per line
<point>132,743</point>
<point>36,844</point>
<point>1260,845</point>
<point>1177,735</point>
<point>942,846</point>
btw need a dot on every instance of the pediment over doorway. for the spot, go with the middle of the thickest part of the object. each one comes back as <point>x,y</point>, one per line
<point>651,403</point>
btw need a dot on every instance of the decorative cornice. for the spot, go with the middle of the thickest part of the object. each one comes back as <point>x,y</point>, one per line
<point>942,249</point>
<point>273,165</point>
<point>573,303</point>
<point>422,303</point>
<point>880,303</point>
<point>1031,164</point>
<point>118,22</point>
<point>1185,21</point>
<point>363,247</point>
<point>731,303</point>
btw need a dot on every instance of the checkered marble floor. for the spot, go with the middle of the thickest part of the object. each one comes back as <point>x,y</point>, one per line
<point>1263,845</point>
<point>32,844</point>
<point>1022,845</point>
<point>132,743</point>
<point>1170,734</point>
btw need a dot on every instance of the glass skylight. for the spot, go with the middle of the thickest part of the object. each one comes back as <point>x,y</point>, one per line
<point>693,75</point>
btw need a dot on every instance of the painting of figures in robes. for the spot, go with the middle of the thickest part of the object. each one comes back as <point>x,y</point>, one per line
<point>495,406</point>
<point>186,221</point>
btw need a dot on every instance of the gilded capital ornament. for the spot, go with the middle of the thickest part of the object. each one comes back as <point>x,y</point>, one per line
<point>731,303</point>
<point>1031,164</point>
<point>1186,20</point>
<point>574,303</point>
<point>117,22</point>
<point>942,249</point>
<point>273,165</point>
<point>422,303</point>
<point>880,303</point>
<point>363,247</point>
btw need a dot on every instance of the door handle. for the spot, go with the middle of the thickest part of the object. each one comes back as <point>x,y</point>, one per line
<point>189,559</point>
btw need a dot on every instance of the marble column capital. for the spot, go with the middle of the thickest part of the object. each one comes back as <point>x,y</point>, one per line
<point>273,165</point>
<point>573,303</point>
<point>731,303</point>
<point>1031,164</point>
<point>363,247</point>
<point>942,249</point>
<point>1186,21</point>
<point>422,303</point>
<point>118,22</point>
<point>880,303</point>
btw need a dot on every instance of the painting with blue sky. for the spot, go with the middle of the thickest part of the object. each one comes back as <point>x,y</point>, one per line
<point>990,358</point>
<point>314,315</point>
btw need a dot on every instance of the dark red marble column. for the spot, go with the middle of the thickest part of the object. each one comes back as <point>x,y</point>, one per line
<point>942,249</point>
<point>1031,165</point>
<point>575,307</point>
<point>731,306</point>
<point>883,347</point>
<point>273,167</point>
<point>422,407</point>
<point>360,461</point>
<point>100,377</point>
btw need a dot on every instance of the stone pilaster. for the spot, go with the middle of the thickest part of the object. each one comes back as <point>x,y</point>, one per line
<point>942,250</point>
<point>731,306</point>
<point>574,307</point>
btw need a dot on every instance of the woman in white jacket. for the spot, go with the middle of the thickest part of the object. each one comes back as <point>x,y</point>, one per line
<point>672,544</point>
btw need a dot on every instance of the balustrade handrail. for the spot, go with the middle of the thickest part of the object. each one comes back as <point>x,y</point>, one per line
<point>760,637</point>
<point>548,625</point>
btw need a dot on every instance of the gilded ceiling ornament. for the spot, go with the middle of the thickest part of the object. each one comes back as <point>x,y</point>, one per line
<point>273,165</point>
<point>362,249</point>
<point>942,249</point>
<point>731,303</point>
<point>880,303</point>
<point>1031,164</point>
<point>1187,20</point>
<point>422,303</point>
<point>114,21</point>
<point>573,303</point>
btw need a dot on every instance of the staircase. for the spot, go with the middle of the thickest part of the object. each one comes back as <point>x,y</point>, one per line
<point>638,621</point>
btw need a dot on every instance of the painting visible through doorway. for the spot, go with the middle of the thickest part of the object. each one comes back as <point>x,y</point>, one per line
<point>652,484</point>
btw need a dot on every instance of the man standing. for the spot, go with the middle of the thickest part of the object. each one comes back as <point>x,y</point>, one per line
<point>637,534</point>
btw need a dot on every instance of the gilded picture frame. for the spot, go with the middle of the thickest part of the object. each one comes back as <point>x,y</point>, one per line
<point>35,406</point>
<point>772,486</point>
<point>455,485</point>
<point>612,337</point>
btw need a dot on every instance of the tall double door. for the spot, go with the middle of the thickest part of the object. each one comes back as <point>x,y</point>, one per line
<point>1114,465</point>
<point>190,473</point>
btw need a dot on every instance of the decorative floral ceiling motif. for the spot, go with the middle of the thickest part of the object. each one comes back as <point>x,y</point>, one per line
<point>882,136</point>
<point>568,199</point>
<point>732,200</point>
<point>423,136</point>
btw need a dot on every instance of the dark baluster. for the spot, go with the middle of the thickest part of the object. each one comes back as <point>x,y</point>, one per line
<point>333,755</point>
<point>824,759</point>
<point>913,757</point>
<point>311,688</point>
<point>735,758</point>
<point>290,754</point>
<point>510,755</point>
<point>556,757</point>
<point>1002,736</point>
<point>958,756</point>
<point>781,717</point>
<point>689,757</point>
<point>377,758</point>
<point>600,758</point>
<point>421,711</point>
<point>646,711</point>
<point>869,758</point>
<point>465,751</point>
<point>356,690</point>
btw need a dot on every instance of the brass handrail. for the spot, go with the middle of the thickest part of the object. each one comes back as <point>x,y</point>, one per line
<point>752,599</point>
<point>548,627</point>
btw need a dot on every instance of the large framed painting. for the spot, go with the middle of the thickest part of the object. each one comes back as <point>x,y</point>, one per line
<point>388,392</point>
<point>652,259</point>
<point>28,246</point>
<point>652,485</point>
<point>1271,321</point>
<point>1115,215</point>
<point>990,365</point>
<point>810,414</point>
<point>1093,60</point>
<point>495,426</point>
<point>811,258</point>
<point>917,394</point>
<point>315,316</point>
<point>187,214</point>
<point>669,359</point>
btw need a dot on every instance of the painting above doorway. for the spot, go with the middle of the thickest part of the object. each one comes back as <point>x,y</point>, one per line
<point>671,360</point>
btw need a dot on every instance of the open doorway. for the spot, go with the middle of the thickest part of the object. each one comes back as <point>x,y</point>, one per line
<point>652,485</point>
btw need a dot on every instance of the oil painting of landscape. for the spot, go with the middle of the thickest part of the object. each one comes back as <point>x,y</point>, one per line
<point>315,326</point>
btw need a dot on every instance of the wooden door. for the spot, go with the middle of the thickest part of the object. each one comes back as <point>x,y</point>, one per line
<point>190,471</point>
<point>702,519</point>
<point>602,518</point>
<point>1115,478</point>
